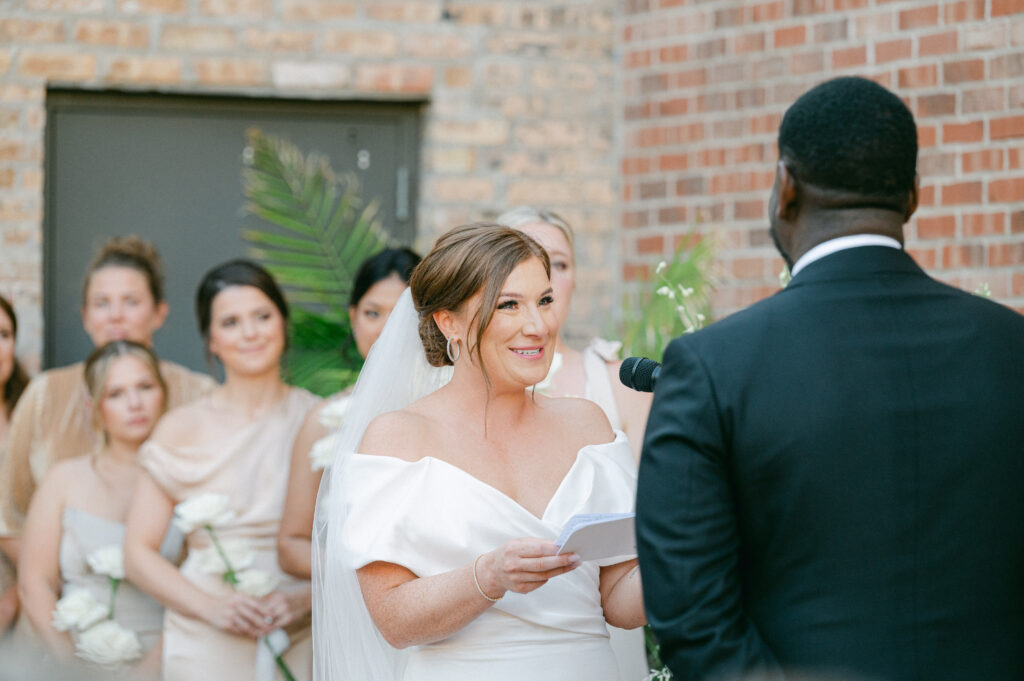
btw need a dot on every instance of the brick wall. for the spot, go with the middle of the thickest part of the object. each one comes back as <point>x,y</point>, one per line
<point>704,88</point>
<point>521,101</point>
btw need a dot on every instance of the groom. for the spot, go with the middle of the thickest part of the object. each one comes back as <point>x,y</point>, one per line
<point>833,479</point>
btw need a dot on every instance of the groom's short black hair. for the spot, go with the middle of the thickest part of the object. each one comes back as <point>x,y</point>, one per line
<point>852,135</point>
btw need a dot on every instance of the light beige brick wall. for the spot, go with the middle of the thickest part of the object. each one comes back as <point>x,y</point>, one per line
<point>521,100</point>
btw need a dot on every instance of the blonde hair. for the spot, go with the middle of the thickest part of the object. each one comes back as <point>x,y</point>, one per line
<point>520,216</point>
<point>466,260</point>
<point>133,253</point>
<point>97,369</point>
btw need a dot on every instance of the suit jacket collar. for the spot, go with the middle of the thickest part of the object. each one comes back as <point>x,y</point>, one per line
<point>856,263</point>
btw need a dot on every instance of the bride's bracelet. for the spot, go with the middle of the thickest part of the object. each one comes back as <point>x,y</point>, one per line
<point>477,582</point>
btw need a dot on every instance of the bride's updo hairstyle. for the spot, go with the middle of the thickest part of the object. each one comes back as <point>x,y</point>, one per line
<point>467,260</point>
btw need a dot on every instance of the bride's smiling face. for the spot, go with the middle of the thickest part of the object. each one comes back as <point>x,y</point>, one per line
<point>519,342</point>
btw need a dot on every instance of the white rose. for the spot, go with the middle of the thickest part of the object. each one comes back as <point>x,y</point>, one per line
<point>239,553</point>
<point>77,610</point>
<point>333,413</point>
<point>109,644</point>
<point>202,510</point>
<point>108,561</point>
<point>256,583</point>
<point>322,452</point>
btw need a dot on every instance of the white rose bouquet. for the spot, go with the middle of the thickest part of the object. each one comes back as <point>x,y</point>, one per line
<point>77,609</point>
<point>101,639</point>
<point>108,644</point>
<point>202,511</point>
<point>231,558</point>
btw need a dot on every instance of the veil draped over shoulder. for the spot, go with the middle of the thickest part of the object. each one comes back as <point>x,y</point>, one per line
<point>346,643</point>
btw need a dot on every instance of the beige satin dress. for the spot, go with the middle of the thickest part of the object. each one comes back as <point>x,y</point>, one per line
<point>251,467</point>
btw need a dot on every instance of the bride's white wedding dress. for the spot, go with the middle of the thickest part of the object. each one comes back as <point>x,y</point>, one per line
<point>432,517</point>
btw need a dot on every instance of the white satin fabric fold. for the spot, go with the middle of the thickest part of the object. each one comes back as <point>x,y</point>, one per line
<point>431,517</point>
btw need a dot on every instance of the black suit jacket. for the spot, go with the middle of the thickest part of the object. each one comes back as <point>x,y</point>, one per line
<point>834,479</point>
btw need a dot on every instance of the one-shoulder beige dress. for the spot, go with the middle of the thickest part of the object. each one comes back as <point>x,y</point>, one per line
<point>250,467</point>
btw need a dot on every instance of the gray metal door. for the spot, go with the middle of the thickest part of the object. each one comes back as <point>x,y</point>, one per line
<point>168,168</point>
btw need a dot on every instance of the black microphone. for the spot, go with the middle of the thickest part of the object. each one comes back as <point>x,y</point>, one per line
<point>639,373</point>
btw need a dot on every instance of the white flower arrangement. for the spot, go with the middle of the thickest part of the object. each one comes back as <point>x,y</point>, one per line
<point>202,511</point>
<point>255,583</point>
<point>227,558</point>
<point>237,554</point>
<point>101,639</point>
<point>77,609</point>
<point>108,560</point>
<point>108,644</point>
<point>322,452</point>
<point>333,413</point>
<point>682,295</point>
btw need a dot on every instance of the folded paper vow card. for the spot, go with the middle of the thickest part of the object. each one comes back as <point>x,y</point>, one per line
<point>596,536</point>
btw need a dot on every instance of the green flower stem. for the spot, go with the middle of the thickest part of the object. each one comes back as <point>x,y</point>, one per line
<point>114,583</point>
<point>229,576</point>
<point>285,672</point>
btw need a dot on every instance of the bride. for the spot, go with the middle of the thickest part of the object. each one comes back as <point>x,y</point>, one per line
<point>434,555</point>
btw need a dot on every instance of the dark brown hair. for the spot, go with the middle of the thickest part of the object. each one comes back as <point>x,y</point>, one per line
<point>134,253</point>
<point>18,379</point>
<point>236,273</point>
<point>468,259</point>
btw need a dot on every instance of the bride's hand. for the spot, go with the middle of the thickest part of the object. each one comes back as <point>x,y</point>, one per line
<point>521,566</point>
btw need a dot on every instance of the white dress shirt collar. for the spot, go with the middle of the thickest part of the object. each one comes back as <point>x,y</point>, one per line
<point>841,244</point>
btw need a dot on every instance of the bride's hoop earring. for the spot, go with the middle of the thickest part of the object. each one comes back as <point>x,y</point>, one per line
<point>453,356</point>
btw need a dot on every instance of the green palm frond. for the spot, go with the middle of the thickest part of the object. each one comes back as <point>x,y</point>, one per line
<point>317,232</point>
<point>322,356</point>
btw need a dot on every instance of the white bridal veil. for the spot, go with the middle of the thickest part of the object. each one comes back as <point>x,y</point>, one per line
<point>346,643</point>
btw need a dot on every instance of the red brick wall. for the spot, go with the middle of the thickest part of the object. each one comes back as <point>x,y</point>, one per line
<point>519,102</point>
<point>704,88</point>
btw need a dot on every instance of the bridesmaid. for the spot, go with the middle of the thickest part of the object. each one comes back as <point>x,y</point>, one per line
<point>13,380</point>
<point>379,282</point>
<point>123,298</point>
<point>593,374</point>
<point>82,503</point>
<point>233,442</point>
